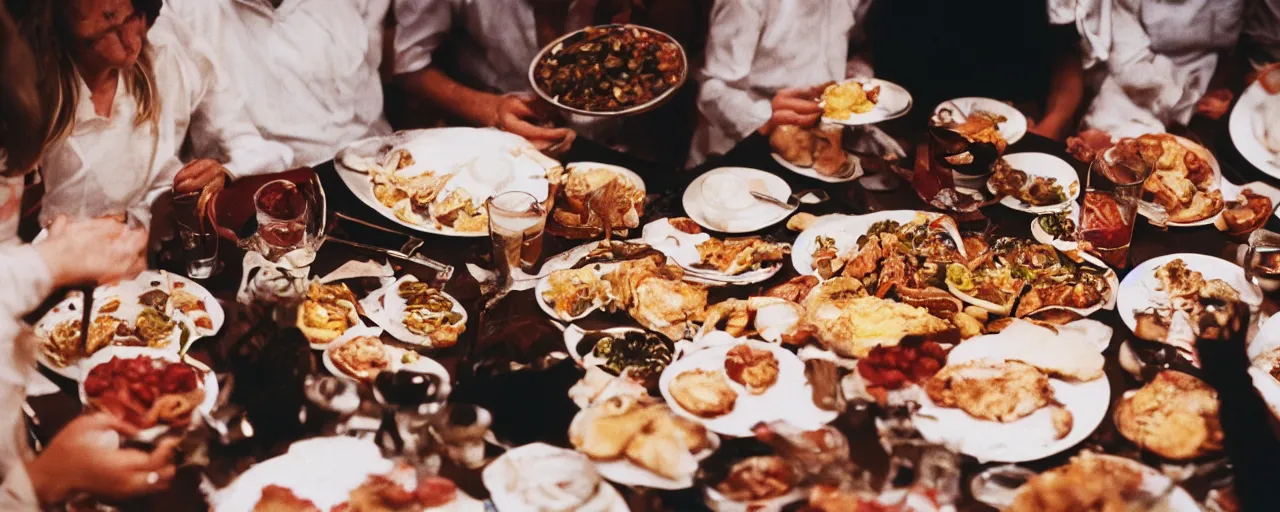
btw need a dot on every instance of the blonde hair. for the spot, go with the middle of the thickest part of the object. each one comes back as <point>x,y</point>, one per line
<point>43,24</point>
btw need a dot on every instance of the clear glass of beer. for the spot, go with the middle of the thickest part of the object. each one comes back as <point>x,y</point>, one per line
<point>516,223</point>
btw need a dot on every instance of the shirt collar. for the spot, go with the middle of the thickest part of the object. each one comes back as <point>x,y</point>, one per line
<point>262,6</point>
<point>84,104</point>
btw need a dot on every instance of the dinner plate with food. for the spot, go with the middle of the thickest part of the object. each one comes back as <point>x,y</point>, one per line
<point>643,67</point>
<point>360,355</point>
<point>591,195</point>
<point>1174,416</point>
<point>756,483</point>
<point>539,476</point>
<point>1010,121</point>
<point>148,388</point>
<point>829,245</point>
<point>1034,182</point>
<point>640,354</point>
<point>327,312</point>
<point>732,386</point>
<point>817,152</point>
<point>1095,480</point>
<point>1186,180</point>
<point>571,294</point>
<point>1036,278</point>
<point>1012,399</point>
<point>731,261</point>
<point>330,473</point>
<point>437,180</point>
<point>156,309</point>
<point>1160,296</point>
<point>417,313</point>
<point>722,200</point>
<point>863,101</point>
<point>1255,128</point>
<point>637,442</point>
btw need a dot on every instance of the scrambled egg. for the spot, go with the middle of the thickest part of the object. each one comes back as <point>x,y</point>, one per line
<point>844,100</point>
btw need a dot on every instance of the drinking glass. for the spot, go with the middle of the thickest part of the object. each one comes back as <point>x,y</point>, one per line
<point>282,217</point>
<point>516,223</point>
<point>1113,189</point>
<point>1261,265</point>
<point>197,235</point>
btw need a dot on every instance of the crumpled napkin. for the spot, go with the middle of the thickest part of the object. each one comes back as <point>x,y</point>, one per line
<point>369,268</point>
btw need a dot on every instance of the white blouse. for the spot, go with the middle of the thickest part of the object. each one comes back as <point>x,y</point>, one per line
<point>108,166</point>
<point>307,70</point>
<point>757,47</point>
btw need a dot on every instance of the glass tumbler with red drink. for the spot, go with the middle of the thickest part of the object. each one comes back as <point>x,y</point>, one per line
<point>1113,189</point>
<point>282,217</point>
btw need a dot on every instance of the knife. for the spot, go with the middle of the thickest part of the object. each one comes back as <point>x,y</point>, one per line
<point>444,271</point>
<point>410,246</point>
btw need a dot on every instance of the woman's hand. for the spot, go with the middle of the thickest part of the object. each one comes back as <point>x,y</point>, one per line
<point>797,106</point>
<point>519,114</point>
<point>195,175</point>
<point>93,250</point>
<point>86,457</point>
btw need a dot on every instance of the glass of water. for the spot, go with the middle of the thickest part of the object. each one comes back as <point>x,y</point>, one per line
<point>517,221</point>
<point>197,235</point>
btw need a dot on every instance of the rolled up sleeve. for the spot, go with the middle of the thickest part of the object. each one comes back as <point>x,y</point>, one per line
<point>421,25</point>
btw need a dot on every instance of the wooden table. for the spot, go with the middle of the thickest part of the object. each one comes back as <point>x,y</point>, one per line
<point>531,404</point>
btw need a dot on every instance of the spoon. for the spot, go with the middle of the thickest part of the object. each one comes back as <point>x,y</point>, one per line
<point>811,196</point>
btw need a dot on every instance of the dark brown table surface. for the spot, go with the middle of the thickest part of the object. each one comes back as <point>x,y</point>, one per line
<point>531,403</point>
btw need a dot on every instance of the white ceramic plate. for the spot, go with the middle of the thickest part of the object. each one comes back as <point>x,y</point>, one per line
<point>389,312</point>
<point>1029,438</point>
<point>1178,500</point>
<point>682,248</point>
<point>324,470</point>
<point>447,150</point>
<point>1138,290</point>
<point>894,102</point>
<point>789,399</point>
<point>1241,126</point>
<point>810,172</point>
<point>628,173</point>
<point>845,230</point>
<point>424,364</point>
<point>1014,127</point>
<point>1047,166</point>
<point>544,285</point>
<point>625,472</point>
<point>1146,209</point>
<point>574,334</point>
<point>208,381</point>
<point>754,215</point>
<point>499,478</point>
<point>127,292</point>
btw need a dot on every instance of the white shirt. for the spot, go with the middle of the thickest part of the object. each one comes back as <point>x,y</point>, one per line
<point>108,166</point>
<point>494,41</point>
<point>755,48</point>
<point>26,281</point>
<point>307,70</point>
<point>1163,54</point>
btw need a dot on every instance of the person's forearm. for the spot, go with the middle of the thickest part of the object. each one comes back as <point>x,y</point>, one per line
<point>49,487</point>
<point>1065,91</point>
<point>477,107</point>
